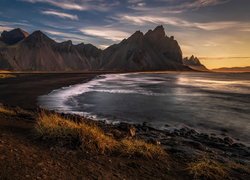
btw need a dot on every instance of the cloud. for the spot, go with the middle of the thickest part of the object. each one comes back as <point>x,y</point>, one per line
<point>222,58</point>
<point>76,38</point>
<point>63,4</point>
<point>81,5</point>
<point>202,3</point>
<point>60,14</point>
<point>4,25</point>
<point>211,44</point>
<point>245,29</point>
<point>71,36</point>
<point>105,33</point>
<point>5,28</point>
<point>178,22</point>
<point>172,6</point>
<point>103,46</point>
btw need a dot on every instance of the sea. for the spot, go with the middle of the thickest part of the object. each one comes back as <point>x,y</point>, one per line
<point>213,103</point>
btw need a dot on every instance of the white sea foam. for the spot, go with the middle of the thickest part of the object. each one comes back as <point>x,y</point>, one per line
<point>188,99</point>
<point>58,98</point>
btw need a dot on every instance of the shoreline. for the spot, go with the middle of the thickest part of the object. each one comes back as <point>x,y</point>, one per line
<point>219,132</point>
<point>24,89</point>
<point>183,145</point>
<point>46,86</point>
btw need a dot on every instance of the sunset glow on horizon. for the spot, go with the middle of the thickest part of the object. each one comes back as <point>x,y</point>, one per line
<point>216,31</point>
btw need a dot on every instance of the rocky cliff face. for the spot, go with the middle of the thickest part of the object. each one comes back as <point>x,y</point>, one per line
<point>151,51</point>
<point>194,63</point>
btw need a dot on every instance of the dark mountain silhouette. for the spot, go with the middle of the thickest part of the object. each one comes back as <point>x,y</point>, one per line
<point>13,36</point>
<point>194,63</point>
<point>39,52</point>
<point>152,51</point>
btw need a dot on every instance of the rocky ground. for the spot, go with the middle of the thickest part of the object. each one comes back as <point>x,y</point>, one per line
<point>23,156</point>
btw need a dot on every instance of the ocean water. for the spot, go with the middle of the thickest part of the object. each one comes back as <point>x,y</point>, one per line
<point>209,102</point>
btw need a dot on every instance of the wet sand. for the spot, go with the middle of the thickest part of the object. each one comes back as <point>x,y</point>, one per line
<point>24,89</point>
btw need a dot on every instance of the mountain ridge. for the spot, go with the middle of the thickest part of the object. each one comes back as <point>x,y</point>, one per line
<point>194,63</point>
<point>153,50</point>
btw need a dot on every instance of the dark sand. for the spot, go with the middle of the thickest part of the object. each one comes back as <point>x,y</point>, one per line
<point>24,89</point>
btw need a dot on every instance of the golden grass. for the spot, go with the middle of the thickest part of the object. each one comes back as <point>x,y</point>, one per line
<point>91,137</point>
<point>208,169</point>
<point>141,148</point>
<point>3,76</point>
<point>4,110</point>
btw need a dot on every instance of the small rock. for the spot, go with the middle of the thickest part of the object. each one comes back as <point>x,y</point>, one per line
<point>192,131</point>
<point>238,145</point>
<point>117,134</point>
<point>228,140</point>
<point>144,124</point>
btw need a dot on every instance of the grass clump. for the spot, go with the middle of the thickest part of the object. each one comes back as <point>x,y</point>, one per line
<point>141,148</point>
<point>91,137</point>
<point>207,169</point>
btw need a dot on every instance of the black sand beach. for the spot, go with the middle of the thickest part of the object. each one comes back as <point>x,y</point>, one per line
<point>24,89</point>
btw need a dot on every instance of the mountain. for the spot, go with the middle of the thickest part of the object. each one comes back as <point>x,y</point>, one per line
<point>140,52</point>
<point>152,51</point>
<point>233,69</point>
<point>40,53</point>
<point>194,63</point>
<point>13,36</point>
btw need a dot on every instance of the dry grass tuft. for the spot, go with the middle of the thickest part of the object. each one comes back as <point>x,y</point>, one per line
<point>91,137</point>
<point>207,169</point>
<point>4,110</point>
<point>141,148</point>
<point>3,76</point>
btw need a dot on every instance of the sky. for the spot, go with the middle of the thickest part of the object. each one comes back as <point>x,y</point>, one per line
<point>216,31</point>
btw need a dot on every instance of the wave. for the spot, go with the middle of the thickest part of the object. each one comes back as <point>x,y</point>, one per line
<point>58,98</point>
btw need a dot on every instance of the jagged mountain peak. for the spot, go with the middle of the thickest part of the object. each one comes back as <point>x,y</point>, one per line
<point>137,35</point>
<point>194,63</point>
<point>80,45</point>
<point>156,34</point>
<point>192,60</point>
<point>37,38</point>
<point>159,31</point>
<point>13,36</point>
<point>66,43</point>
<point>38,34</point>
